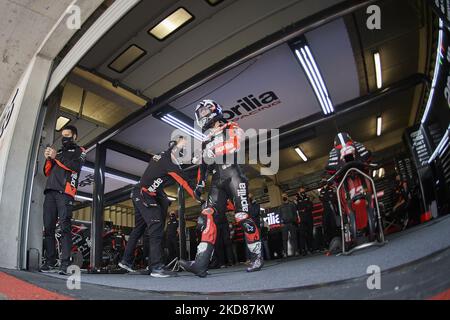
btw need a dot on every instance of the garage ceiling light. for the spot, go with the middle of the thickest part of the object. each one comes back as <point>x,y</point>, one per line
<point>379,125</point>
<point>301,154</point>
<point>177,123</point>
<point>61,122</point>
<point>378,73</point>
<point>170,24</point>
<point>437,71</point>
<point>442,146</point>
<point>315,78</point>
<point>214,2</point>
<point>127,58</point>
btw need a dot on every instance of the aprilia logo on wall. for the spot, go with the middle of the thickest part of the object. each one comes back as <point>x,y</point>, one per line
<point>250,105</point>
<point>6,115</point>
<point>272,219</point>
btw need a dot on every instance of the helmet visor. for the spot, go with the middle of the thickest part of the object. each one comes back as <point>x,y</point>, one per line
<point>202,115</point>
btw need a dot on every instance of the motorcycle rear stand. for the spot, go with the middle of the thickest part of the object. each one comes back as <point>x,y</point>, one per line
<point>363,246</point>
<point>176,265</point>
<point>105,271</point>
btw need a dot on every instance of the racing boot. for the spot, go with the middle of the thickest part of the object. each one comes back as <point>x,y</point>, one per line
<point>256,259</point>
<point>199,267</point>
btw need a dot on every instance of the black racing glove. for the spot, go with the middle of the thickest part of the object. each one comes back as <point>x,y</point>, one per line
<point>199,190</point>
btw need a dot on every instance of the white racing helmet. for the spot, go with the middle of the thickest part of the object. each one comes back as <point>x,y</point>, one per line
<point>207,112</point>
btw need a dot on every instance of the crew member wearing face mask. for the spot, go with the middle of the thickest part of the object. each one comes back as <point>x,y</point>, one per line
<point>62,168</point>
<point>288,214</point>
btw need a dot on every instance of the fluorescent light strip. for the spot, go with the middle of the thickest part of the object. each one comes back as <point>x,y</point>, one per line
<point>319,75</point>
<point>341,139</point>
<point>378,73</point>
<point>379,125</point>
<point>111,176</point>
<point>437,68</point>
<point>178,126</point>
<point>198,133</point>
<point>301,154</point>
<point>195,133</point>
<point>311,80</point>
<point>442,146</point>
<point>316,79</point>
<point>183,127</point>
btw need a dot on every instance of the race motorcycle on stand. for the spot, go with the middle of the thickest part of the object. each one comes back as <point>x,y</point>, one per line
<point>360,218</point>
<point>114,244</point>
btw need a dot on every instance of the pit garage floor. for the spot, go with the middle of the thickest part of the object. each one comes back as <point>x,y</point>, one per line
<point>415,264</point>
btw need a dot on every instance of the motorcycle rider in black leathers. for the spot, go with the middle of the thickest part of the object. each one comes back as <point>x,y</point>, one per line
<point>228,182</point>
<point>146,195</point>
<point>62,169</point>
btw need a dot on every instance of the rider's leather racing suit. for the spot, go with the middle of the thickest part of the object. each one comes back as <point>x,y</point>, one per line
<point>228,182</point>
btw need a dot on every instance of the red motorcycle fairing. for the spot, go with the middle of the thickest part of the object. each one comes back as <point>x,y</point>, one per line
<point>353,194</point>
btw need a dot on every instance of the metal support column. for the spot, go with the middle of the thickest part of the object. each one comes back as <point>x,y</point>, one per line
<point>97,207</point>
<point>182,222</point>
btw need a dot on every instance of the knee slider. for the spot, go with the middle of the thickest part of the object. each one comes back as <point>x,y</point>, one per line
<point>208,211</point>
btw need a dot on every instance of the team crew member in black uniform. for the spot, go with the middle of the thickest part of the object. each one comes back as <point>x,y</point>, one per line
<point>172,236</point>
<point>288,214</point>
<point>328,198</point>
<point>219,153</point>
<point>148,209</point>
<point>62,168</point>
<point>306,226</point>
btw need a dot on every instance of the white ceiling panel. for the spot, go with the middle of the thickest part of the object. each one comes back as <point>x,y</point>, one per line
<point>86,183</point>
<point>150,135</point>
<point>124,163</point>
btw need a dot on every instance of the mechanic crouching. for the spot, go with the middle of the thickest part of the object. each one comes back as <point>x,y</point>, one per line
<point>62,168</point>
<point>150,208</point>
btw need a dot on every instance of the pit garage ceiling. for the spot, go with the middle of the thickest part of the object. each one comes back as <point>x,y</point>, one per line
<point>275,79</point>
<point>276,73</point>
<point>215,33</point>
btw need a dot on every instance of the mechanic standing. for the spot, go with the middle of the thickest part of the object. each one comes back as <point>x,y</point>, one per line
<point>149,210</point>
<point>172,236</point>
<point>288,214</point>
<point>220,154</point>
<point>62,168</point>
<point>328,198</point>
<point>304,207</point>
